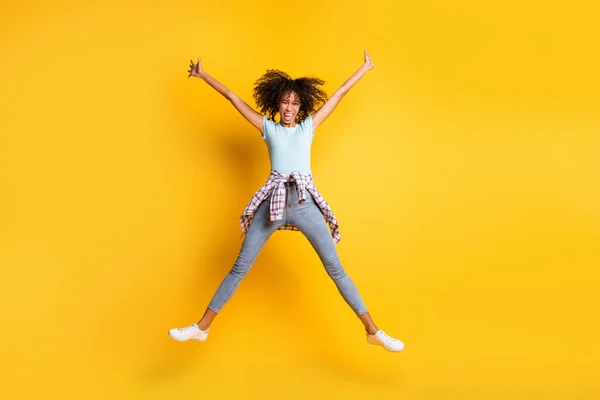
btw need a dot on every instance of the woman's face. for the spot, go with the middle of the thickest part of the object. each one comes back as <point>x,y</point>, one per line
<point>289,107</point>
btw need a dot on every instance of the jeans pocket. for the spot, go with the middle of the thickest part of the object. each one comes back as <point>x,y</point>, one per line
<point>307,205</point>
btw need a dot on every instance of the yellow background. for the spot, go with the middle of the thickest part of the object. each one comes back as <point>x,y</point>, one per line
<point>463,169</point>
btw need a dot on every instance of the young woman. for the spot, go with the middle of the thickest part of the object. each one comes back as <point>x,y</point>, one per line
<point>289,199</point>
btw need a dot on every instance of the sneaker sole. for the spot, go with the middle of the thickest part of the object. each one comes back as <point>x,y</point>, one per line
<point>185,340</point>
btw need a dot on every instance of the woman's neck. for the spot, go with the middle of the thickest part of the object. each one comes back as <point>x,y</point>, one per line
<point>290,125</point>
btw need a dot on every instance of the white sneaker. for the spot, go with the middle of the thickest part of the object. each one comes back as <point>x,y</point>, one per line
<point>385,341</point>
<point>191,332</point>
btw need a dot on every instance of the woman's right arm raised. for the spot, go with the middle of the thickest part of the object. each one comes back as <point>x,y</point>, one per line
<point>255,118</point>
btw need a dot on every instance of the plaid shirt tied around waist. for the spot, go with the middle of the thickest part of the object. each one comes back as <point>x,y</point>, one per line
<point>275,187</point>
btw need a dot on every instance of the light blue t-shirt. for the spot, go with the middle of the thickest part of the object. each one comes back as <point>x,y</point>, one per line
<point>289,148</point>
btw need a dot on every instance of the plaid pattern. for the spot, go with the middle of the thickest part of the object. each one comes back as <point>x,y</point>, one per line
<point>275,187</point>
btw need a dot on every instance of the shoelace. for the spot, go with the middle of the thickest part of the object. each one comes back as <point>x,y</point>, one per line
<point>187,329</point>
<point>385,338</point>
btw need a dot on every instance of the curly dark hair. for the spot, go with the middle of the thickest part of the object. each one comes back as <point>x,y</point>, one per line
<point>274,84</point>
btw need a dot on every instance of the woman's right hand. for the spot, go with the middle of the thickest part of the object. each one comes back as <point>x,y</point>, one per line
<point>196,69</point>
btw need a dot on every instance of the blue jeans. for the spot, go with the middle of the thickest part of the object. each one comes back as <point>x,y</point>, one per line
<point>307,217</point>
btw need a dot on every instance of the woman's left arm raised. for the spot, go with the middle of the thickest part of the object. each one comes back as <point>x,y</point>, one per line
<point>322,113</point>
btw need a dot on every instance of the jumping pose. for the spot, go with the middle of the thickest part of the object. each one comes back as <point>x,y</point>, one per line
<point>289,199</point>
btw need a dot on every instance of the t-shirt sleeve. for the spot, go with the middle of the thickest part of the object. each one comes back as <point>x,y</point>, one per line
<point>268,126</point>
<point>308,126</point>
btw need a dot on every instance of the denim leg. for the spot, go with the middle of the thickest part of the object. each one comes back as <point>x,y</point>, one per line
<point>309,219</point>
<point>259,232</point>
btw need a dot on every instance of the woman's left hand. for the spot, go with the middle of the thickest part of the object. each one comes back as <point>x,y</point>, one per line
<point>368,62</point>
